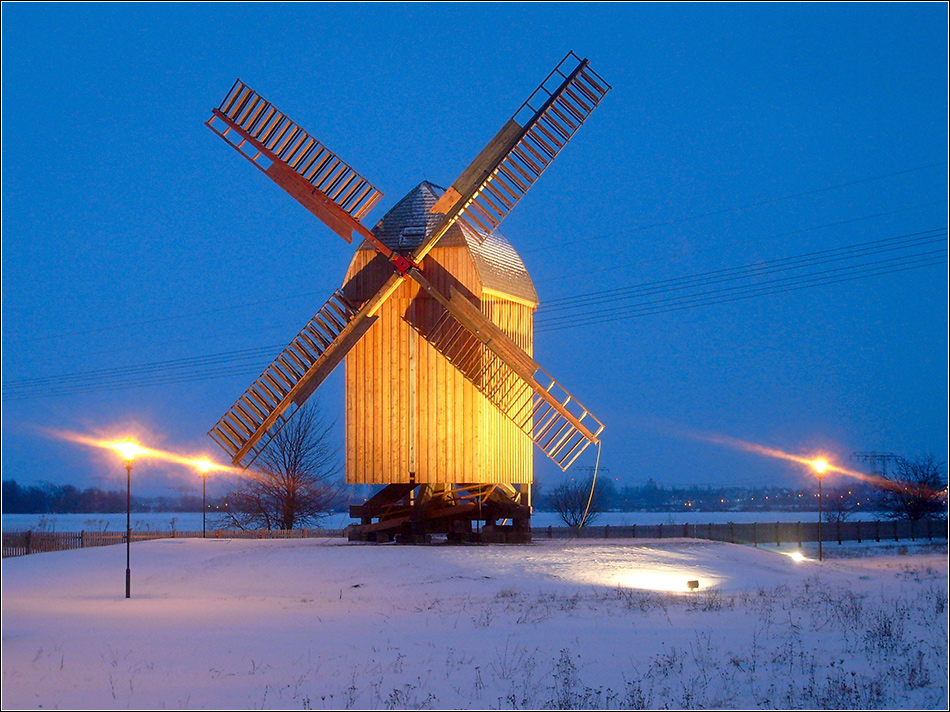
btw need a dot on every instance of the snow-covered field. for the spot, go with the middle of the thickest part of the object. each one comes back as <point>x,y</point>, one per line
<point>191,521</point>
<point>313,624</point>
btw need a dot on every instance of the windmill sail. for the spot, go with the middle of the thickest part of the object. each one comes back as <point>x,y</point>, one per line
<point>292,158</point>
<point>514,159</point>
<point>510,379</point>
<point>258,415</point>
<point>479,200</point>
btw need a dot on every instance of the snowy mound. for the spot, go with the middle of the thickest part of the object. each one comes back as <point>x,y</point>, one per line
<point>592,623</point>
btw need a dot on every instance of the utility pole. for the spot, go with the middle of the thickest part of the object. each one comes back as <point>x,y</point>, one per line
<point>877,459</point>
<point>590,469</point>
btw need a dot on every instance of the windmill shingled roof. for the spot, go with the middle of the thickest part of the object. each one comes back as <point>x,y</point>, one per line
<point>498,264</point>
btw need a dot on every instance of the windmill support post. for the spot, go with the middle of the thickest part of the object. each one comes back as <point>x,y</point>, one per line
<point>452,512</point>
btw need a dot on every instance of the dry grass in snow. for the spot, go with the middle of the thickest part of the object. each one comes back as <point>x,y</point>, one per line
<point>310,624</point>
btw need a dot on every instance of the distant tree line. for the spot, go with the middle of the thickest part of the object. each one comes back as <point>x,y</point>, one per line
<point>47,498</point>
<point>652,497</point>
<point>917,489</point>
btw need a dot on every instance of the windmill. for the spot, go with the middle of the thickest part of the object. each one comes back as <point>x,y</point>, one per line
<point>434,320</point>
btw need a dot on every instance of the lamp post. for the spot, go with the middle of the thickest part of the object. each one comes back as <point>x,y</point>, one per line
<point>203,467</point>
<point>129,450</point>
<point>820,467</point>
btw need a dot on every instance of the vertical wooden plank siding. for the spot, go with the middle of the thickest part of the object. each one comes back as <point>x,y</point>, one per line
<point>408,406</point>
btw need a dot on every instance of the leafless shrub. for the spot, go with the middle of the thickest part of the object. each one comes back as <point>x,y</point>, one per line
<point>295,482</point>
<point>916,490</point>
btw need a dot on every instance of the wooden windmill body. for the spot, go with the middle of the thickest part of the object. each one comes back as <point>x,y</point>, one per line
<point>444,401</point>
<point>412,416</point>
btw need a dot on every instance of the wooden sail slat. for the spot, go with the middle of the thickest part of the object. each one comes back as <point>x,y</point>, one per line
<point>280,139</point>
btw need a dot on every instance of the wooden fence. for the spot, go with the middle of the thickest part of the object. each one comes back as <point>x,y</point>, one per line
<point>21,543</point>
<point>756,533</point>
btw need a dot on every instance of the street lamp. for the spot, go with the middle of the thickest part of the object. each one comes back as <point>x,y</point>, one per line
<point>820,467</point>
<point>128,450</point>
<point>203,467</point>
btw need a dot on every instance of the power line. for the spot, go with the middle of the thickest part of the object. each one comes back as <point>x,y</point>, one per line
<point>161,319</point>
<point>722,211</point>
<point>845,252</point>
<point>747,292</point>
<point>297,295</point>
<point>215,366</point>
<point>207,360</point>
<point>613,266</point>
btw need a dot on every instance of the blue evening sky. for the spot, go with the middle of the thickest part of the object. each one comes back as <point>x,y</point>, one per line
<point>734,135</point>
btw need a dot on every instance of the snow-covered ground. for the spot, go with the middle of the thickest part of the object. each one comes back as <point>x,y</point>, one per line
<point>191,521</point>
<point>319,623</point>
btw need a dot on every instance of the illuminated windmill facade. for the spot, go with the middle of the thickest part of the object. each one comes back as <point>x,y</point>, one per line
<point>434,319</point>
<point>416,410</point>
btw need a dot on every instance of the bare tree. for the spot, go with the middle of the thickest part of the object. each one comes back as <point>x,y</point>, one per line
<point>569,499</point>
<point>839,503</point>
<point>917,489</point>
<point>296,481</point>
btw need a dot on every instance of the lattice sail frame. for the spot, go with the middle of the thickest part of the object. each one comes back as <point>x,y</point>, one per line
<point>494,183</point>
<point>510,379</point>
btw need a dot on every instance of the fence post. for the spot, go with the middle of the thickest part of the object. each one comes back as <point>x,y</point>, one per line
<point>550,532</point>
<point>218,534</point>
<point>633,532</point>
<point>732,532</point>
<point>778,540</point>
<point>929,534</point>
<point>838,531</point>
<point>877,530</point>
<point>29,542</point>
<point>660,530</point>
<point>857,525</point>
<point>755,534</point>
<point>895,530</point>
<point>798,533</point>
<point>82,539</point>
<point>606,531</point>
<point>912,537</point>
<point>686,531</point>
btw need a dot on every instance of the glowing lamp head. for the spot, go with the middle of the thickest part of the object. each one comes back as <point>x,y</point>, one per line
<point>819,466</point>
<point>128,450</point>
<point>203,466</point>
<point>797,556</point>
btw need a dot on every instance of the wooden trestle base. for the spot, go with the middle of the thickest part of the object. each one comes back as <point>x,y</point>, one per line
<point>464,513</point>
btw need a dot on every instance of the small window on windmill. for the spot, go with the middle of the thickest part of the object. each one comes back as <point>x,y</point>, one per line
<point>411,236</point>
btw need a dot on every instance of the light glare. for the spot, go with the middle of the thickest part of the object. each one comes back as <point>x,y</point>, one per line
<point>128,449</point>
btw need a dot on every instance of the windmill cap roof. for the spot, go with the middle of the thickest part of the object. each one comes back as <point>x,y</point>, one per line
<point>498,264</point>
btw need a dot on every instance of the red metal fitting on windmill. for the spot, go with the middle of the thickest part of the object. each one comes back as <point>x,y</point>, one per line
<point>402,263</point>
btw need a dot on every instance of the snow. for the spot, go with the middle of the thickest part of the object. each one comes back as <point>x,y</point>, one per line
<point>320,623</point>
